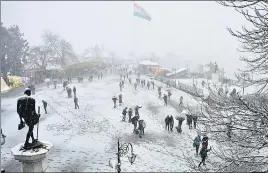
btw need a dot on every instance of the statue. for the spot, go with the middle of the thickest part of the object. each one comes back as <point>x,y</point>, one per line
<point>26,111</point>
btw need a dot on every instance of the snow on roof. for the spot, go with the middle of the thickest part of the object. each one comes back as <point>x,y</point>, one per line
<point>177,71</point>
<point>53,67</point>
<point>147,62</point>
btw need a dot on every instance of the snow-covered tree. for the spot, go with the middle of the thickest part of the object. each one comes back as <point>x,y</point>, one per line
<point>62,48</point>
<point>41,56</point>
<point>14,50</point>
<point>238,123</point>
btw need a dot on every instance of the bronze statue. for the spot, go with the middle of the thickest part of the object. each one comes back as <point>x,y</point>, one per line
<point>26,111</point>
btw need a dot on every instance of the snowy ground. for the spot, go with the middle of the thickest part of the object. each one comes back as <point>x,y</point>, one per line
<point>85,139</point>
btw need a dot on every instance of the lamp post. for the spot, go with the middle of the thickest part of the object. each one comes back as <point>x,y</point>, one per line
<point>122,151</point>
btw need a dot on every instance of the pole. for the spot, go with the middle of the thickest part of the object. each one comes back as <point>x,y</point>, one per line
<point>38,122</point>
<point>118,157</point>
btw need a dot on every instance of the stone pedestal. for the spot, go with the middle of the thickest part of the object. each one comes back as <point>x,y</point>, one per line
<point>32,160</point>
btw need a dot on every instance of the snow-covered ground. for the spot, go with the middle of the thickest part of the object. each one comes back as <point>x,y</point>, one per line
<point>86,139</point>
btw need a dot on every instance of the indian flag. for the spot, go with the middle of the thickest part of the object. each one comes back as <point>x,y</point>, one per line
<point>140,12</point>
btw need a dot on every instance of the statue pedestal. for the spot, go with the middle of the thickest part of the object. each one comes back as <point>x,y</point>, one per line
<point>32,160</point>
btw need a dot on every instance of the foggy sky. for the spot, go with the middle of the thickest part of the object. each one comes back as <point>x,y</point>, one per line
<point>195,31</point>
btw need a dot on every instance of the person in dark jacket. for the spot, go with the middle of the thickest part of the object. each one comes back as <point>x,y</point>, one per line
<point>134,121</point>
<point>205,141</point>
<point>171,122</point>
<point>45,105</point>
<point>114,100</point>
<point>153,84</point>
<point>124,114</point>
<point>148,85</point>
<point>120,85</point>
<point>137,110</point>
<point>129,114</point>
<point>197,141</point>
<point>165,100</point>
<point>76,102</point>
<point>189,120</point>
<point>169,94</point>
<point>167,122</point>
<point>55,84</point>
<point>194,117</point>
<point>74,90</point>
<point>203,154</point>
<point>120,99</point>
<point>135,85</point>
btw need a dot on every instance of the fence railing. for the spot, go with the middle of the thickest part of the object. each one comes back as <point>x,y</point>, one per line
<point>176,84</point>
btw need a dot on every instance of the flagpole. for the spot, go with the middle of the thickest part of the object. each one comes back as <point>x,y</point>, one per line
<point>133,30</point>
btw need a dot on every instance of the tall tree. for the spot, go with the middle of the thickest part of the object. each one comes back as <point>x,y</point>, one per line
<point>41,56</point>
<point>62,49</point>
<point>238,123</point>
<point>14,51</point>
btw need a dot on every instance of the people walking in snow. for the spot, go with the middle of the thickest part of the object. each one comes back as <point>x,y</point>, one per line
<point>194,117</point>
<point>180,120</point>
<point>203,154</point>
<point>129,79</point>
<point>74,90</point>
<point>69,92</point>
<point>189,120</point>
<point>141,127</point>
<point>134,121</point>
<point>137,110</point>
<point>124,114</point>
<point>129,114</point>
<point>76,102</point>
<point>171,122</point>
<point>65,83</point>
<point>203,83</point>
<point>181,101</point>
<point>135,85</point>
<point>169,94</point>
<point>120,85</point>
<point>165,100</point>
<point>114,100</point>
<point>167,122</point>
<point>101,75</point>
<point>55,84</point>
<point>120,99</point>
<point>197,141</point>
<point>152,83</point>
<point>45,105</point>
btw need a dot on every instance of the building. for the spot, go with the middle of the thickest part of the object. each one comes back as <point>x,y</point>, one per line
<point>146,66</point>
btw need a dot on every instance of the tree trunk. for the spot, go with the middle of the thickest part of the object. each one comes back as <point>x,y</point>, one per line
<point>5,78</point>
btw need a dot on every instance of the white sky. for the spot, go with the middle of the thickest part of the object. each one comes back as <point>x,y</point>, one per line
<point>195,31</point>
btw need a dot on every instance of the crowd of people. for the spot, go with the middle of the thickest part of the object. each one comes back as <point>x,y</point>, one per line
<point>138,123</point>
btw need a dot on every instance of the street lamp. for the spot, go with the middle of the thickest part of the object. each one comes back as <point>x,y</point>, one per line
<point>122,151</point>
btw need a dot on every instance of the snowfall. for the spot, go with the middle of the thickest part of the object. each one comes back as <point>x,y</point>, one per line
<point>85,139</point>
